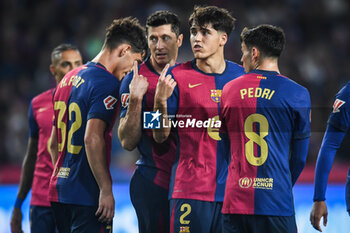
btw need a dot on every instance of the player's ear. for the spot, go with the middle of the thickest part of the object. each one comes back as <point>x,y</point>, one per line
<point>223,38</point>
<point>52,70</point>
<point>255,53</point>
<point>179,40</point>
<point>124,49</point>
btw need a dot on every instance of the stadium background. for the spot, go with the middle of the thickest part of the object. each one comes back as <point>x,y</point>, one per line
<point>316,56</point>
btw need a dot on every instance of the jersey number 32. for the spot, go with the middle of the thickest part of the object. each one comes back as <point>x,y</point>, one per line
<point>73,108</point>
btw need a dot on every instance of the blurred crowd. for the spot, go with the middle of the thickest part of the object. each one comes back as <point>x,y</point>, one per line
<point>316,54</point>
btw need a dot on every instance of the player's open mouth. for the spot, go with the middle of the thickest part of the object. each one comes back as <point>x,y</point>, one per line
<point>197,47</point>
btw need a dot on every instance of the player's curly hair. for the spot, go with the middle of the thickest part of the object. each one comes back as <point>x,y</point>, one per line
<point>160,18</point>
<point>126,30</point>
<point>269,39</point>
<point>220,18</point>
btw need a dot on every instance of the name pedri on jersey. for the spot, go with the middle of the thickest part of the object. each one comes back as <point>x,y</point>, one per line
<point>156,159</point>
<point>84,93</point>
<point>262,112</point>
<point>40,124</point>
<point>200,168</point>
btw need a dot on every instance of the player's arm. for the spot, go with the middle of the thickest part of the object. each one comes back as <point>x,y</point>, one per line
<point>164,90</point>
<point>301,133</point>
<point>25,184</point>
<point>95,152</point>
<point>331,142</point>
<point>299,150</point>
<point>53,145</point>
<point>129,131</point>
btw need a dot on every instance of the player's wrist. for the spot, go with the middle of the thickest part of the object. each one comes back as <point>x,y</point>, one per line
<point>135,97</point>
<point>19,202</point>
<point>160,100</point>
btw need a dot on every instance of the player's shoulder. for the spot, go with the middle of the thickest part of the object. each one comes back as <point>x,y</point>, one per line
<point>181,67</point>
<point>96,73</point>
<point>291,84</point>
<point>345,90</point>
<point>43,96</point>
<point>233,66</point>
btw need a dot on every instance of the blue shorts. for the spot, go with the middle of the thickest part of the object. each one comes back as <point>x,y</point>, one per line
<point>151,204</point>
<point>195,216</point>
<point>240,223</point>
<point>42,219</point>
<point>78,218</point>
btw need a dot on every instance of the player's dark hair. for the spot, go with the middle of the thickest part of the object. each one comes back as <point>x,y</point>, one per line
<point>126,30</point>
<point>269,39</point>
<point>56,53</point>
<point>220,18</point>
<point>160,18</point>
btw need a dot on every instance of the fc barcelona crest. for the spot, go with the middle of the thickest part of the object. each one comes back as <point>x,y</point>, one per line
<point>215,95</point>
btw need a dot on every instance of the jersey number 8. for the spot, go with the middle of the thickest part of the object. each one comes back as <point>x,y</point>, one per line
<point>255,138</point>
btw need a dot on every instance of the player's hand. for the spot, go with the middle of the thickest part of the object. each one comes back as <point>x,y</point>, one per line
<point>16,221</point>
<point>105,211</point>
<point>165,86</point>
<point>319,209</point>
<point>139,83</point>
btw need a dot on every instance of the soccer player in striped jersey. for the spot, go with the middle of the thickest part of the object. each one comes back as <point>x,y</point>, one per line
<point>267,119</point>
<point>85,109</point>
<point>37,164</point>
<point>199,173</point>
<point>338,126</point>
<point>149,185</point>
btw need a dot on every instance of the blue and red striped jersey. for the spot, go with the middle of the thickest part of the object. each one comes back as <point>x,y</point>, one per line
<point>87,92</point>
<point>200,168</point>
<point>262,112</point>
<point>156,159</point>
<point>40,124</point>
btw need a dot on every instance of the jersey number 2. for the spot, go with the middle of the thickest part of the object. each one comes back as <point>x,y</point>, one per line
<point>255,138</point>
<point>184,215</point>
<point>73,107</point>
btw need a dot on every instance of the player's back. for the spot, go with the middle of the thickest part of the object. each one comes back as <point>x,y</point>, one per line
<point>84,93</point>
<point>200,169</point>
<point>263,112</point>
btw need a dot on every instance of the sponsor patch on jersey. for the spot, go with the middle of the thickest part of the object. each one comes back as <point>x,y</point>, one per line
<point>109,102</point>
<point>124,99</point>
<point>245,182</point>
<point>337,104</point>
<point>215,95</point>
<point>63,172</point>
<point>256,183</point>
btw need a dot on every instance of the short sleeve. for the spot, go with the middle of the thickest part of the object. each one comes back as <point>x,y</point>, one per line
<point>33,126</point>
<point>103,99</point>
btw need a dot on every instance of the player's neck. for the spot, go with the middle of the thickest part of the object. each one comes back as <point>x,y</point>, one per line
<point>107,59</point>
<point>213,64</point>
<point>159,67</point>
<point>268,65</point>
